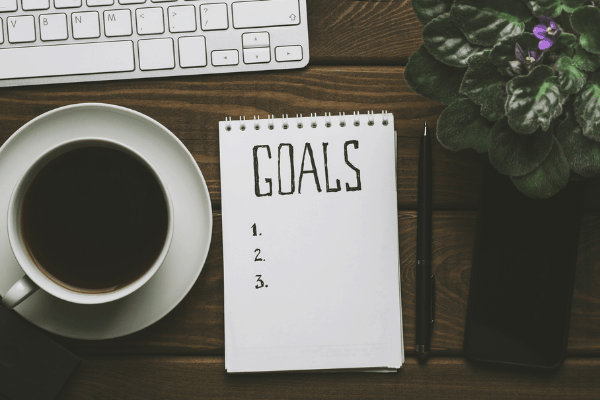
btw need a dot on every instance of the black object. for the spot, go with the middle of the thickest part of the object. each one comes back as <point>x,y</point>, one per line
<point>523,275</point>
<point>425,280</point>
<point>32,366</point>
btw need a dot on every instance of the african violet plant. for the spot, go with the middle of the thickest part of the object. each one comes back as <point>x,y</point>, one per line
<point>521,79</point>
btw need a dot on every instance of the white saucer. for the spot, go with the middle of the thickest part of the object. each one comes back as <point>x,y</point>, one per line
<point>192,227</point>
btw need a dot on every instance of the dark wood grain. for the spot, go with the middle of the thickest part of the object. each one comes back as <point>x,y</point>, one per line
<point>178,378</point>
<point>192,108</point>
<point>362,32</point>
<point>196,325</point>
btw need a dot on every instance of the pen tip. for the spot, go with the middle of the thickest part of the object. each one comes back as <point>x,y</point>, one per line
<point>422,353</point>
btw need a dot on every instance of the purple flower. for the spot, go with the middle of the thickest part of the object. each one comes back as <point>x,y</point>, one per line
<point>547,32</point>
<point>528,59</point>
<point>525,61</point>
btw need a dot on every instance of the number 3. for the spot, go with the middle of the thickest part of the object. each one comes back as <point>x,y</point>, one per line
<point>262,284</point>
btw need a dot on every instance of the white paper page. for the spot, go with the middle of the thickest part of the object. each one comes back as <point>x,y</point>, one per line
<point>311,277</point>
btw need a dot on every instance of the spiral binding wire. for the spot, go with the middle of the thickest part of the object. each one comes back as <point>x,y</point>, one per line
<point>256,123</point>
<point>371,117</point>
<point>270,120</point>
<point>285,121</point>
<point>356,118</point>
<point>342,120</point>
<point>313,120</point>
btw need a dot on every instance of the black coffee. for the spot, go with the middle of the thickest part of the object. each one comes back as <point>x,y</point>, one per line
<point>94,219</point>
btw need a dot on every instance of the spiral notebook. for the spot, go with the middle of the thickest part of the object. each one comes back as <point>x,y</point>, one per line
<point>310,244</point>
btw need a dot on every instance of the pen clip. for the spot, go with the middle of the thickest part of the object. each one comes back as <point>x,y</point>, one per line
<point>432,314</point>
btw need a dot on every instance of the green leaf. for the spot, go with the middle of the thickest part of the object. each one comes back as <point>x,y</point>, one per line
<point>485,86</point>
<point>534,100</point>
<point>587,108</point>
<point>584,60</point>
<point>504,52</point>
<point>514,154</point>
<point>564,45</point>
<point>484,22</point>
<point>570,78</point>
<point>427,10</point>
<point>583,154</point>
<point>433,79</point>
<point>548,178</point>
<point>552,8</point>
<point>461,126</point>
<point>447,43</point>
<point>586,21</point>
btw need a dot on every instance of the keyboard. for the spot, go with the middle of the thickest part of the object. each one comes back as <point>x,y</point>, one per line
<point>58,41</point>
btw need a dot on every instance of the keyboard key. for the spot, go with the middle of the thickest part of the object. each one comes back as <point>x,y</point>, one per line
<point>30,5</point>
<point>256,14</point>
<point>53,27</point>
<point>1,32</point>
<point>149,20</point>
<point>8,5</point>
<point>96,3</point>
<point>257,55</point>
<point>182,19</point>
<point>132,1</point>
<point>225,57</point>
<point>192,51</point>
<point>21,29</point>
<point>117,23</point>
<point>67,3</point>
<point>156,54</point>
<point>163,1</point>
<point>214,17</point>
<point>256,39</point>
<point>288,53</point>
<point>86,25</point>
<point>30,62</point>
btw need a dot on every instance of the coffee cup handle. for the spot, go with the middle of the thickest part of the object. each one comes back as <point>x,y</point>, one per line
<point>21,290</point>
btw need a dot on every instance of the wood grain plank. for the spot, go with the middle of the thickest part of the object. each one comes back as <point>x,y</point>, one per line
<point>192,108</point>
<point>178,378</point>
<point>362,32</point>
<point>196,325</point>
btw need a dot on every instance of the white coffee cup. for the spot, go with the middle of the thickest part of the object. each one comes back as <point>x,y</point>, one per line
<point>34,278</point>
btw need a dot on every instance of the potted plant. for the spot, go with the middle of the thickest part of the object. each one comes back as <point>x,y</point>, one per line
<point>521,79</point>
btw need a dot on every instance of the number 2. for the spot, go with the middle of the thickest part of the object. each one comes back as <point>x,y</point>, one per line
<point>257,258</point>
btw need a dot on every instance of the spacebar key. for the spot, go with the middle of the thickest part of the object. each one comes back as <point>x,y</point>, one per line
<point>67,59</point>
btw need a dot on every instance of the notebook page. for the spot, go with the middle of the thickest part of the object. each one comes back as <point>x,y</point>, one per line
<point>310,243</point>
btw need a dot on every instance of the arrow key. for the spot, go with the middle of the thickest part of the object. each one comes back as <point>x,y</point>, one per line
<point>288,53</point>
<point>255,39</point>
<point>258,55</point>
<point>225,57</point>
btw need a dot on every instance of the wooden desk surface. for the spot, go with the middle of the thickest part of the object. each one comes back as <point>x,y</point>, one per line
<point>358,53</point>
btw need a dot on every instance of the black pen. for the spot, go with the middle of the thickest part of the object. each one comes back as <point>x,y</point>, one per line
<point>425,280</point>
